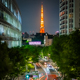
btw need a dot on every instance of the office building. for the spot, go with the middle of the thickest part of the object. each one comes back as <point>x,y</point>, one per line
<point>10,23</point>
<point>69,16</point>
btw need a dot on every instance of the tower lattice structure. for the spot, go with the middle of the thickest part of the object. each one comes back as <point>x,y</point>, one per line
<point>42,21</point>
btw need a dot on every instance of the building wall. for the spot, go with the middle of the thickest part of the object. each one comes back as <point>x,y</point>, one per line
<point>50,41</point>
<point>10,23</point>
<point>47,42</point>
<point>69,16</point>
<point>77,14</point>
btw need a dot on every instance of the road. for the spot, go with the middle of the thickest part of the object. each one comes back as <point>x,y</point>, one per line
<point>42,74</point>
<point>49,69</point>
<point>46,71</point>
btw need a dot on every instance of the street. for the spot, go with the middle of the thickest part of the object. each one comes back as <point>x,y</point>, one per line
<point>44,70</point>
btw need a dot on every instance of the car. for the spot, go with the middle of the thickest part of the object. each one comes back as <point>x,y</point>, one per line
<point>45,63</point>
<point>49,66</point>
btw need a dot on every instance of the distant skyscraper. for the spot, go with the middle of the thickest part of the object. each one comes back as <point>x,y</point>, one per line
<point>69,19</point>
<point>42,21</point>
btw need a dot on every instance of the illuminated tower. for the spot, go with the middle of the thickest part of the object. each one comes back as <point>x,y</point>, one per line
<point>42,21</point>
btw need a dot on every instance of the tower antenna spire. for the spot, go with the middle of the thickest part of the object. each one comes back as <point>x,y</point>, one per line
<point>42,20</point>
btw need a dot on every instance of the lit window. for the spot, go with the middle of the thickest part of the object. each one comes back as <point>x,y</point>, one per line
<point>70,15</point>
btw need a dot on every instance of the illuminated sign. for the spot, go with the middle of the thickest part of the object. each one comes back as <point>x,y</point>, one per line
<point>35,43</point>
<point>35,76</point>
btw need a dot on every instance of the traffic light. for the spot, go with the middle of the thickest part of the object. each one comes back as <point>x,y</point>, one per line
<point>27,76</point>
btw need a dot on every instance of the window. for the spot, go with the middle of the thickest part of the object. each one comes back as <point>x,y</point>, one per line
<point>1,14</point>
<point>71,1</point>
<point>66,16</point>
<point>65,26</point>
<point>70,5</point>
<point>70,25</point>
<point>66,7</point>
<point>70,20</point>
<point>65,12</point>
<point>70,30</point>
<point>65,21</point>
<point>70,15</point>
<point>66,2</point>
<point>70,10</point>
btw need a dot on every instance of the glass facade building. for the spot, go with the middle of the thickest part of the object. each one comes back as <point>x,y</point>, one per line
<point>69,16</point>
<point>10,23</point>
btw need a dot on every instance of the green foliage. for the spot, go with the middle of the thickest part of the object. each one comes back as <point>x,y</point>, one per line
<point>5,63</point>
<point>46,50</point>
<point>16,61</point>
<point>65,52</point>
<point>33,51</point>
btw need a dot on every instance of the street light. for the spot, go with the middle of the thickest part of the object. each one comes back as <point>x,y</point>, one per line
<point>27,76</point>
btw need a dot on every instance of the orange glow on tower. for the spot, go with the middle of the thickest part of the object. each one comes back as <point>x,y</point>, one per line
<point>42,21</point>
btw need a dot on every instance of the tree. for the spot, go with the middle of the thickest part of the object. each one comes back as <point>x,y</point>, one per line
<point>5,63</point>
<point>46,50</point>
<point>65,52</point>
<point>73,54</point>
<point>13,61</point>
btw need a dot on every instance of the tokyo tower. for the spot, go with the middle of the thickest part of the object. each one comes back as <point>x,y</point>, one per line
<point>42,21</point>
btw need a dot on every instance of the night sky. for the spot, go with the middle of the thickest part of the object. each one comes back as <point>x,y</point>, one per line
<point>31,14</point>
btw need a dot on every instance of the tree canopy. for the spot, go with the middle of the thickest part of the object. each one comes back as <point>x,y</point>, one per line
<point>65,52</point>
<point>16,60</point>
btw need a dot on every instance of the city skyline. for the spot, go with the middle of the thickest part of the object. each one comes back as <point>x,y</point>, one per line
<point>31,14</point>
